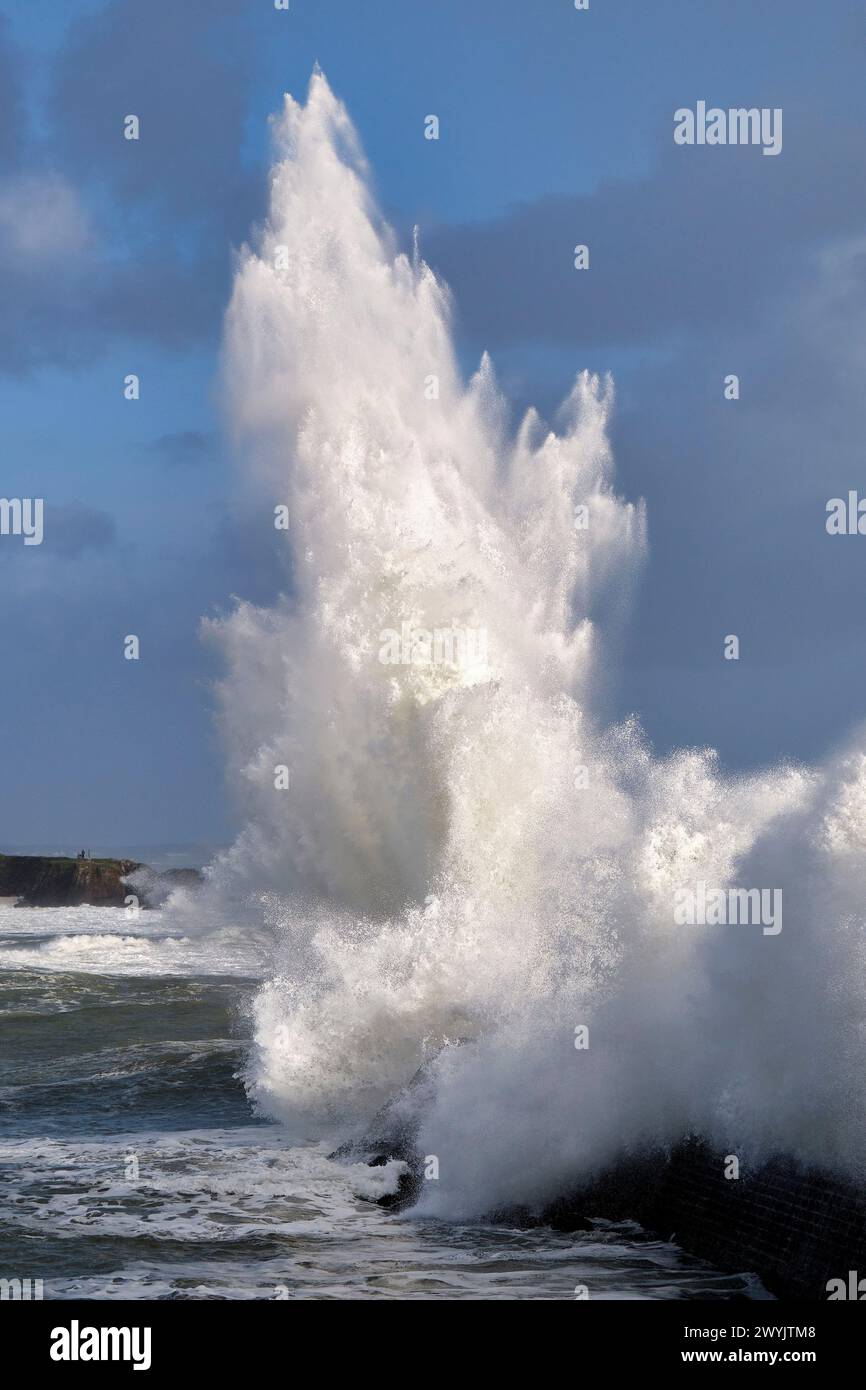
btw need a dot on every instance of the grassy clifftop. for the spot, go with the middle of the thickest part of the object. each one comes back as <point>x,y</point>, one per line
<point>42,881</point>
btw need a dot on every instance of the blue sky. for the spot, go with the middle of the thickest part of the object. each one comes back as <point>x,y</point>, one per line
<point>556,127</point>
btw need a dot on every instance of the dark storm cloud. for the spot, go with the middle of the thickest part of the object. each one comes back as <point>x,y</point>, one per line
<point>183,447</point>
<point>11,105</point>
<point>71,315</point>
<point>706,240</point>
<point>164,300</point>
<point>156,259</point>
<point>73,529</point>
<point>182,71</point>
<point>69,530</point>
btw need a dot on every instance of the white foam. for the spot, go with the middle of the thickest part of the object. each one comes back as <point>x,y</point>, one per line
<point>433,875</point>
<point>106,941</point>
<point>248,1216</point>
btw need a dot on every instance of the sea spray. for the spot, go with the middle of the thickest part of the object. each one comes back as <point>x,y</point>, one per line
<point>468,863</point>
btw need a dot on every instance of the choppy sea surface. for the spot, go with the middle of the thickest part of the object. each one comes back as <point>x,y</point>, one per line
<point>131,1164</point>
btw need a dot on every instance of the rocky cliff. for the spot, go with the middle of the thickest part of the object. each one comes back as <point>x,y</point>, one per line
<point>42,881</point>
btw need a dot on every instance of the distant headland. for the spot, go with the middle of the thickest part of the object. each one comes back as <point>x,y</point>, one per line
<point>31,880</point>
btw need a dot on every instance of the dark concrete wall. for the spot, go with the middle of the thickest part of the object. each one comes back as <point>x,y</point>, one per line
<point>795,1227</point>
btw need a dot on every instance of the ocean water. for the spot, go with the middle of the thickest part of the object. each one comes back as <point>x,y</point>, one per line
<point>453,863</point>
<point>132,1166</point>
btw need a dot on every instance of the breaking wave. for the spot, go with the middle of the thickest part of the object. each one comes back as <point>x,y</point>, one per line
<point>470,861</point>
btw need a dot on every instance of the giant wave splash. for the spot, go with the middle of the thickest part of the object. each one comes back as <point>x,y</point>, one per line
<point>470,862</point>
